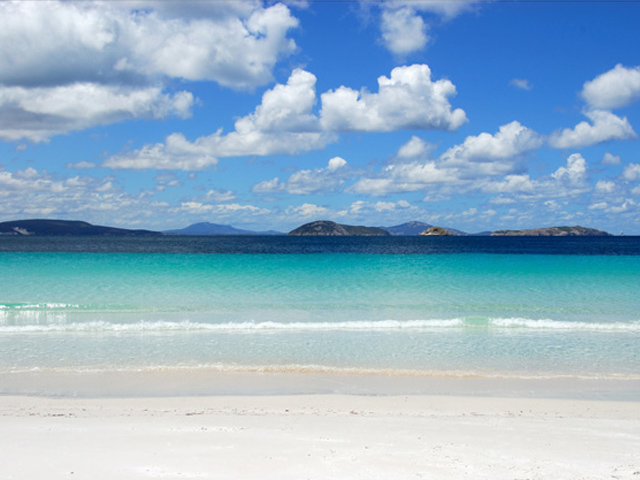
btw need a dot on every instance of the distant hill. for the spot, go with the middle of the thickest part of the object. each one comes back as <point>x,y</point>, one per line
<point>408,228</point>
<point>576,231</point>
<point>206,228</point>
<point>65,227</point>
<point>327,228</point>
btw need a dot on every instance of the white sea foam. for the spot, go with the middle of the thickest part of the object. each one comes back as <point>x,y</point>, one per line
<point>59,325</point>
<point>562,325</point>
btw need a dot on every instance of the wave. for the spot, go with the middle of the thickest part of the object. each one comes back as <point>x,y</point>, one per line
<point>270,326</point>
<point>305,369</point>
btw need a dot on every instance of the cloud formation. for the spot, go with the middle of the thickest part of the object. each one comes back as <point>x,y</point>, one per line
<point>478,157</point>
<point>53,43</point>
<point>72,65</point>
<point>604,127</point>
<point>408,99</point>
<point>37,114</point>
<point>304,182</point>
<point>617,88</point>
<point>285,122</point>
<point>403,26</point>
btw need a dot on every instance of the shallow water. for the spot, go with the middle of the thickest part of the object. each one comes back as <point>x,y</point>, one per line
<point>426,306</point>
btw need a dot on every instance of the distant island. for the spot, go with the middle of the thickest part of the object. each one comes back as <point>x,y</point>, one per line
<point>576,231</point>
<point>65,228</point>
<point>326,228</point>
<point>437,231</point>
<point>206,228</point>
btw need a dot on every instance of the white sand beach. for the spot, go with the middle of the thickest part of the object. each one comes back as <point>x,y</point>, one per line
<point>318,437</point>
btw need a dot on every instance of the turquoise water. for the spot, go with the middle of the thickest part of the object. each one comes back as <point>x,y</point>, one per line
<point>499,314</point>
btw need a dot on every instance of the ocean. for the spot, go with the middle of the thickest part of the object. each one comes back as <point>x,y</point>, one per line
<point>455,307</point>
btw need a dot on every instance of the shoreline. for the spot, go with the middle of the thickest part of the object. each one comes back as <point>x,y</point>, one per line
<point>197,382</point>
<point>319,436</point>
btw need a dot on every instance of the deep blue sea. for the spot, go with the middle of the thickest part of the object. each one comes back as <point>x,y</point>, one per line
<point>447,306</point>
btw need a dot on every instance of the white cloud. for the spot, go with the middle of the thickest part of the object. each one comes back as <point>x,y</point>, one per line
<point>492,154</point>
<point>403,30</point>
<point>408,99</point>
<point>279,125</point>
<point>307,210</point>
<point>304,182</point>
<point>80,165</point>
<point>619,87</point>
<point>476,158</point>
<point>631,172</point>
<point>72,65</point>
<point>567,181</point>
<point>236,44</point>
<point>284,122</point>
<point>605,127</point>
<point>605,187</point>
<point>610,159</point>
<point>285,107</point>
<point>521,83</point>
<point>39,113</point>
<point>335,163</point>
<point>32,193</point>
<point>574,173</point>
<point>415,147</point>
<point>403,27</point>
<point>219,196</point>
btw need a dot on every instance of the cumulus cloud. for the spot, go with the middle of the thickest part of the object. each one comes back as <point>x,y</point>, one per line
<point>235,44</point>
<point>631,172</point>
<point>611,159</point>
<point>484,163</point>
<point>72,65</point>
<point>574,173</point>
<point>304,182</point>
<point>42,112</point>
<point>285,123</point>
<point>493,154</point>
<point>403,25</point>
<point>415,147</point>
<point>306,211</point>
<point>567,181</point>
<point>279,125</point>
<point>619,87</point>
<point>403,30</point>
<point>408,99</point>
<point>605,187</point>
<point>605,126</point>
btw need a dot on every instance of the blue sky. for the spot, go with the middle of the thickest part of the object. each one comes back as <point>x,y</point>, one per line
<point>474,115</point>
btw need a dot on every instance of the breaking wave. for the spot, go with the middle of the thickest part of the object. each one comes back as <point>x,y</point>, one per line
<point>504,324</point>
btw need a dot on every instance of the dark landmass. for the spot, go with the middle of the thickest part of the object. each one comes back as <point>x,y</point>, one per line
<point>206,228</point>
<point>408,229</point>
<point>65,228</point>
<point>418,228</point>
<point>327,228</point>
<point>437,232</point>
<point>576,231</point>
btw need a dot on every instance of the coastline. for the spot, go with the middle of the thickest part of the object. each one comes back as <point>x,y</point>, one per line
<point>319,436</point>
<point>195,382</point>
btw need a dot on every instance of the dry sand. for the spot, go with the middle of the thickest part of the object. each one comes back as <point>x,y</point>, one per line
<point>318,437</point>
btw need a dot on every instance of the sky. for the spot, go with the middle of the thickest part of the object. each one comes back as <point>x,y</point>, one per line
<point>475,115</point>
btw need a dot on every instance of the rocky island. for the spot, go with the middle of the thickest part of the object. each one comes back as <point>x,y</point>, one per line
<point>326,228</point>
<point>576,231</point>
<point>437,232</point>
<point>65,228</point>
